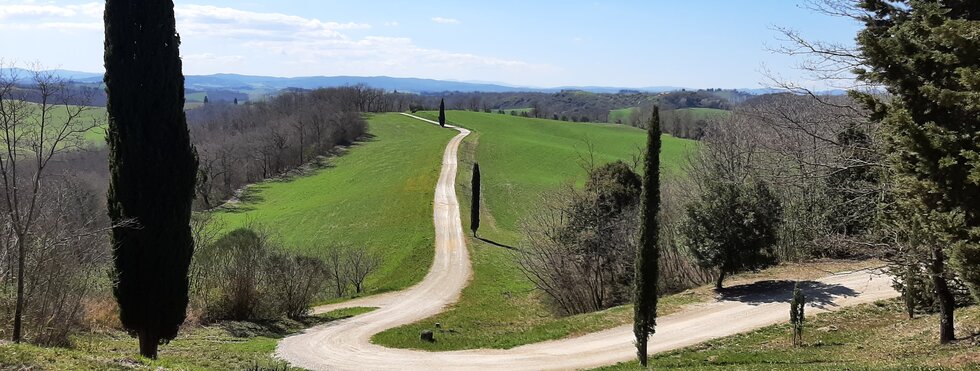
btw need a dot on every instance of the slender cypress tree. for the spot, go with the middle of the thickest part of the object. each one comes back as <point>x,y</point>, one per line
<point>796,314</point>
<point>475,203</point>
<point>442,112</point>
<point>152,167</point>
<point>648,253</point>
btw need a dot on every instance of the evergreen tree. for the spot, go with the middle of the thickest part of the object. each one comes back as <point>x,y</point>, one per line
<point>927,55</point>
<point>205,99</point>
<point>475,203</point>
<point>442,112</point>
<point>796,315</point>
<point>647,267</point>
<point>152,167</point>
<point>732,227</point>
<point>236,101</point>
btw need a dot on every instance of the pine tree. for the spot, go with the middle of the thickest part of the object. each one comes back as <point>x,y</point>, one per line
<point>796,315</point>
<point>925,54</point>
<point>648,253</point>
<point>152,166</point>
<point>475,203</point>
<point>442,112</point>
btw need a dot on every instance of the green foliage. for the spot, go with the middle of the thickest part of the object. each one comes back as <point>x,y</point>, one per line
<point>475,202</point>
<point>152,167</point>
<point>442,112</point>
<point>928,56</point>
<point>648,253</point>
<point>733,226</point>
<point>796,314</point>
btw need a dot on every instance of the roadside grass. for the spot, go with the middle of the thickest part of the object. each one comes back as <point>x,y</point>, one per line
<point>876,336</point>
<point>378,195</point>
<point>222,346</point>
<point>500,308</point>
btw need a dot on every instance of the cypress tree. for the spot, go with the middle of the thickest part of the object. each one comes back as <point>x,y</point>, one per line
<point>475,203</point>
<point>648,254</point>
<point>442,112</point>
<point>152,167</point>
<point>205,99</point>
<point>796,315</point>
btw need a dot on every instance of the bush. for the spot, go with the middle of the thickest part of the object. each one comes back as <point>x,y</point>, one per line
<point>244,277</point>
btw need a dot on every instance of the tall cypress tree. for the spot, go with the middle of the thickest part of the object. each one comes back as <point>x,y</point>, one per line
<point>442,112</point>
<point>475,203</point>
<point>152,167</point>
<point>648,253</point>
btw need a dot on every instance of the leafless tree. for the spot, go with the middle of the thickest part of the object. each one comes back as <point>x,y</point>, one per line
<point>32,135</point>
<point>359,264</point>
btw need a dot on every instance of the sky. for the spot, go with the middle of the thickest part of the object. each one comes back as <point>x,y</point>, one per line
<point>539,43</point>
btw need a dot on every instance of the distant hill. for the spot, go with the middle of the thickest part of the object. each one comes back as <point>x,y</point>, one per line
<point>259,85</point>
<point>247,83</point>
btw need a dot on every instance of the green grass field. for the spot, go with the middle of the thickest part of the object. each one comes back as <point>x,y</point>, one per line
<point>520,159</point>
<point>705,113</point>
<point>621,115</point>
<point>227,346</point>
<point>868,337</point>
<point>378,195</point>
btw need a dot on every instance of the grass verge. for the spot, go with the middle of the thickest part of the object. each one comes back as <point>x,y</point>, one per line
<point>875,336</point>
<point>223,346</point>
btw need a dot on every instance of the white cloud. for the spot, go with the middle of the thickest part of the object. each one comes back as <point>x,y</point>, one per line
<point>212,58</point>
<point>442,20</point>
<point>222,39</point>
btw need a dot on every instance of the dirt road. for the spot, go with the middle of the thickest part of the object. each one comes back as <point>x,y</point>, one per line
<point>346,345</point>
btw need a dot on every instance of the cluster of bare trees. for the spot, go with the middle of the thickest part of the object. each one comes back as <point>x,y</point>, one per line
<point>579,250</point>
<point>54,252</point>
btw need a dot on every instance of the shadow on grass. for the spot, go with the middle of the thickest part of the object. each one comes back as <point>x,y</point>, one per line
<point>818,294</point>
<point>281,328</point>
<point>497,243</point>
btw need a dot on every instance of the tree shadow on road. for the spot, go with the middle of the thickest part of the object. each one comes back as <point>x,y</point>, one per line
<point>818,294</point>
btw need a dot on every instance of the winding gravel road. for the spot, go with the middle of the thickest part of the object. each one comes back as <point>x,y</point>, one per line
<point>346,344</point>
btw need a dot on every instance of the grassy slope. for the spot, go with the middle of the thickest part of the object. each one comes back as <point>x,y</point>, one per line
<point>622,114</point>
<point>203,348</point>
<point>706,113</point>
<point>519,160</point>
<point>378,195</point>
<point>875,336</point>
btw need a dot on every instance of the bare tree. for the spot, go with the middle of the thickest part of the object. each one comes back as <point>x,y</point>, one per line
<point>32,135</point>
<point>360,263</point>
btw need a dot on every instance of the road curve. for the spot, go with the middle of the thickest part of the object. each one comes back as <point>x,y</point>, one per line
<point>346,344</point>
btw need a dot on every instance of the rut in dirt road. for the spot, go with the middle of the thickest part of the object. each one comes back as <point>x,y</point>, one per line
<point>346,344</point>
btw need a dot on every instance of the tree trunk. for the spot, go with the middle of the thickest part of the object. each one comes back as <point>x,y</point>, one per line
<point>721,278</point>
<point>19,309</point>
<point>149,344</point>
<point>945,296</point>
<point>641,350</point>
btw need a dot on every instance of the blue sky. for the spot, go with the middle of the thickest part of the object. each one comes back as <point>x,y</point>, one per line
<point>545,43</point>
